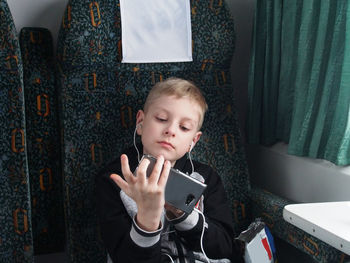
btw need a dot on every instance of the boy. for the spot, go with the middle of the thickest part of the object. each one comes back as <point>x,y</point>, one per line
<point>137,225</point>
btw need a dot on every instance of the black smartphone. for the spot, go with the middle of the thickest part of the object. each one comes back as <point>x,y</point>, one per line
<point>181,191</point>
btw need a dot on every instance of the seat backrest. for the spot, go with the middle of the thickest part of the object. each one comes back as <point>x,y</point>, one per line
<point>16,243</point>
<point>100,97</point>
<point>43,143</point>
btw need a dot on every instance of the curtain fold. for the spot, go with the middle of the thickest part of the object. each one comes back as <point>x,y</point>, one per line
<point>299,78</point>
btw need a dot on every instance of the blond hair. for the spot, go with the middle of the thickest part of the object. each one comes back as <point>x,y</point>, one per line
<point>179,88</point>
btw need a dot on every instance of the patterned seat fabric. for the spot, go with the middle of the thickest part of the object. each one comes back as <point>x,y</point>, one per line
<point>269,207</point>
<point>100,97</point>
<point>43,144</point>
<point>16,231</point>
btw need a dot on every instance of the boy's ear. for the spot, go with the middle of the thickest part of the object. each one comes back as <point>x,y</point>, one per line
<point>139,119</point>
<point>195,140</point>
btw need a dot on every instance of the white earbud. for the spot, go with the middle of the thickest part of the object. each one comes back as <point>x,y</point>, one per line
<point>191,146</point>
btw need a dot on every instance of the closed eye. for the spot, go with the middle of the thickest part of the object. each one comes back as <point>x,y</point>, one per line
<point>161,119</point>
<point>184,128</point>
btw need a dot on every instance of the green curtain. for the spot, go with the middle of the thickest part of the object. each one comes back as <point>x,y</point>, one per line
<point>299,79</point>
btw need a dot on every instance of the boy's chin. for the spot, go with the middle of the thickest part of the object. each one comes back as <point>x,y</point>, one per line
<point>167,156</point>
<point>170,155</point>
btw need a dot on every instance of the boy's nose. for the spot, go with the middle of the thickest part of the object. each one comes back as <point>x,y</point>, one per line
<point>170,131</point>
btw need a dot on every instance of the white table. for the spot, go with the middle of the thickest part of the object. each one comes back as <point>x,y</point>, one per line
<point>330,221</point>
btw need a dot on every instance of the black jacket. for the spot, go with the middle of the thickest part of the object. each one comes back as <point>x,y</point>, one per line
<point>117,227</point>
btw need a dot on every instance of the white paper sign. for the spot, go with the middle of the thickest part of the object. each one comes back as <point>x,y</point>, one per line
<point>156,31</point>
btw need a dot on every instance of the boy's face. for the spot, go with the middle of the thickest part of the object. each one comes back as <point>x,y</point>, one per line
<point>169,127</point>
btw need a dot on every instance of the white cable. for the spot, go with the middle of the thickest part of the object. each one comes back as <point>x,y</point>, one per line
<point>202,235</point>
<point>138,153</point>
<point>201,240</point>
<point>189,157</point>
<point>172,261</point>
<point>173,231</point>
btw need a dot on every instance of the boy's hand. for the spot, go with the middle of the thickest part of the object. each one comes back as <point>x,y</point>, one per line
<point>172,212</point>
<point>148,193</point>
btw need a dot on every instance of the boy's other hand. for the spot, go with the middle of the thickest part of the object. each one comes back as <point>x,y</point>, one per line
<point>172,212</point>
<point>148,193</point>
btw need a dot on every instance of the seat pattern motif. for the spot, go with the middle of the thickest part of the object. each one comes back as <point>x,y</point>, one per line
<point>269,207</point>
<point>43,143</point>
<point>100,97</point>
<point>15,231</point>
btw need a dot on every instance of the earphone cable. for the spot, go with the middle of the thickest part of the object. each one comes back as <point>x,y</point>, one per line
<point>138,153</point>
<point>202,235</point>
<point>190,158</point>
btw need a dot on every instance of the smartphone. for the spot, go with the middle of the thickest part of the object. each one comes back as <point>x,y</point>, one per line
<point>181,191</point>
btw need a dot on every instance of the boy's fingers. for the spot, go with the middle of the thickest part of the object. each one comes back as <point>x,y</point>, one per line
<point>126,168</point>
<point>172,209</point>
<point>157,169</point>
<point>141,172</point>
<point>165,174</point>
<point>120,182</point>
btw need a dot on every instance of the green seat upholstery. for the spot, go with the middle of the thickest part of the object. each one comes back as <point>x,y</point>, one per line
<point>100,97</point>
<point>43,140</point>
<point>16,243</point>
<point>269,207</point>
